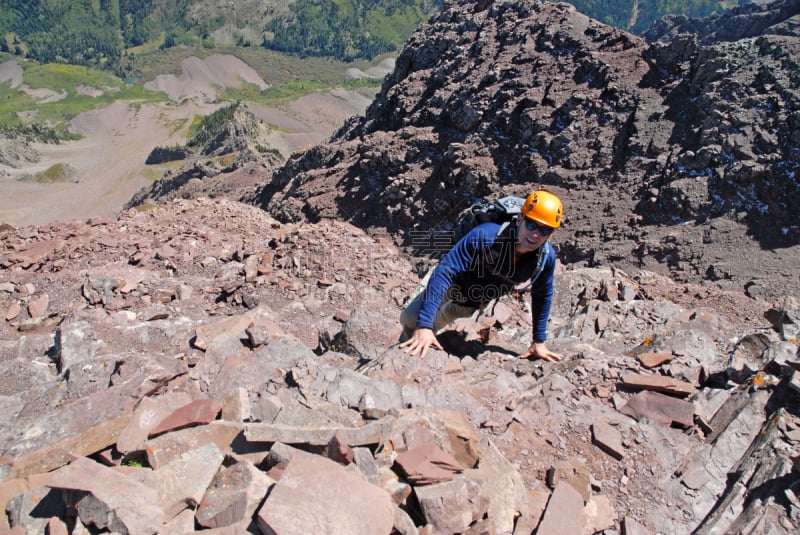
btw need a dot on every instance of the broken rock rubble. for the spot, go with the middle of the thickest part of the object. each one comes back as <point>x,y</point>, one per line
<point>114,371</point>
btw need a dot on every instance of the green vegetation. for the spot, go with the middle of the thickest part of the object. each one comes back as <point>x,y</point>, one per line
<point>651,10</point>
<point>347,29</point>
<point>84,32</point>
<point>58,172</point>
<point>620,13</point>
<point>63,80</point>
<point>112,46</point>
<point>209,126</point>
<point>613,12</point>
<point>111,34</point>
<point>269,150</point>
<point>37,132</point>
<point>114,35</point>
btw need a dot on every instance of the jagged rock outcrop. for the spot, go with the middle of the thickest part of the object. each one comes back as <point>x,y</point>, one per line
<point>679,156</point>
<point>233,145</point>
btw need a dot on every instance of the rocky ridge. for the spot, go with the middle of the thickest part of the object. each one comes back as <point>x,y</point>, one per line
<point>678,156</point>
<point>202,367</point>
<point>258,360</point>
<point>208,167</point>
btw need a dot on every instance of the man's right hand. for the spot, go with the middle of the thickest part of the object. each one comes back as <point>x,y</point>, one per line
<point>420,342</point>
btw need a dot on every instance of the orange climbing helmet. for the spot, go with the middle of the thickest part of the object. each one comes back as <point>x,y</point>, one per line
<point>544,208</point>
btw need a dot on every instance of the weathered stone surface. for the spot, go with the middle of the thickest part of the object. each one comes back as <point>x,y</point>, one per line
<point>660,408</point>
<point>701,208</point>
<point>336,450</point>
<point>233,496</point>
<point>13,311</point>
<point>31,509</point>
<point>563,513</point>
<point>598,515</point>
<point>502,487</point>
<point>231,328</point>
<point>182,482</point>
<point>236,405</point>
<point>146,416</point>
<point>427,463</point>
<point>608,438</point>
<point>652,360</point>
<point>658,383</point>
<point>182,523</point>
<point>369,433</point>
<point>37,307</point>
<point>112,500</point>
<point>200,411</point>
<point>573,472</point>
<point>163,449</point>
<point>306,500</point>
<point>85,441</point>
<point>446,505</point>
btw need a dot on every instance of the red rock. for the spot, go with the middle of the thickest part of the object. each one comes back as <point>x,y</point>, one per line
<point>37,307</point>
<point>339,451</point>
<point>199,412</point>
<point>659,383</point>
<point>13,311</point>
<point>317,495</point>
<point>563,513</point>
<point>651,360</point>
<point>608,438</point>
<point>118,502</point>
<point>660,408</point>
<point>427,463</point>
<point>233,496</point>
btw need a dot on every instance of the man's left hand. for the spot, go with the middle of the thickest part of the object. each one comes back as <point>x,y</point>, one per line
<point>539,350</point>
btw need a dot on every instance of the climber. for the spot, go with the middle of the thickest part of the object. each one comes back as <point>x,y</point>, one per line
<point>488,262</point>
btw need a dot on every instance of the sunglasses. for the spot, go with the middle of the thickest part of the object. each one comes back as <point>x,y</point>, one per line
<point>532,225</point>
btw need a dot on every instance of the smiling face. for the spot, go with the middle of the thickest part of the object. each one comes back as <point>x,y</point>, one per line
<point>529,235</point>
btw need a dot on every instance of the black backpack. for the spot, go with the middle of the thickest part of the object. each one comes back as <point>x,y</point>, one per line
<point>436,244</point>
<point>499,211</point>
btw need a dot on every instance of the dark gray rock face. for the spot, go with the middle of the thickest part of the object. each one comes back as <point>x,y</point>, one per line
<point>679,155</point>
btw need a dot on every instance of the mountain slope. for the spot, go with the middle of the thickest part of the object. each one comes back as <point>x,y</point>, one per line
<point>678,156</point>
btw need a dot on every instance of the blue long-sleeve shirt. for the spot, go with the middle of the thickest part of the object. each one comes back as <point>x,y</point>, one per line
<point>483,266</point>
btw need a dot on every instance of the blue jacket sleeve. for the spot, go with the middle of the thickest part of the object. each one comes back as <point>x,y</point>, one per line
<point>542,295</point>
<point>458,259</point>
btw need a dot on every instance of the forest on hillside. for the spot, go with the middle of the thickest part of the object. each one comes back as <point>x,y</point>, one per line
<point>103,33</point>
<point>347,29</point>
<point>637,16</point>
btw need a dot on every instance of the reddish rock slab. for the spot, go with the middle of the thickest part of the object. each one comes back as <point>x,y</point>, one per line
<point>652,360</point>
<point>233,496</point>
<point>85,441</point>
<point>564,512</point>
<point>317,495</point>
<point>608,439</point>
<point>658,383</point>
<point>446,506</point>
<point>117,502</point>
<point>660,408</point>
<point>37,307</point>
<point>338,451</point>
<point>38,252</point>
<point>147,415</point>
<point>427,464</point>
<point>169,446</point>
<point>198,412</point>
